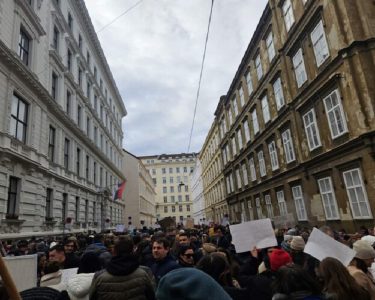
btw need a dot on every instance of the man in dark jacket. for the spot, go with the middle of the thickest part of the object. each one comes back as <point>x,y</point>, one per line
<point>164,262</point>
<point>123,278</point>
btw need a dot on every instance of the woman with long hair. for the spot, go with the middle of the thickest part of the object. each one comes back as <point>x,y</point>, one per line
<point>338,284</point>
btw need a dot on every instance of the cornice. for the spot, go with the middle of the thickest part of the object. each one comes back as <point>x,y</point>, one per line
<point>31,15</point>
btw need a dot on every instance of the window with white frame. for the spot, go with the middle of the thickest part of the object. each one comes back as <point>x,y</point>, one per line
<point>235,106</point>
<point>258,66</point>
<point>249,83</point>
<point>238,177</point>
<point>265,109</point>
<point>24,46</point>
<point>311,129</point>
<point>273,155</point>
<point>319,42</point>
<point>244,174</point>
<point>253,173</point>
<point>267,199</point>
<point>247,130</point>
<point>335,112</point>
<point>288,146</point>
<point>255,121</point>
<point>299,203</point>
<point>234,147</point>
<point>270,46</point>
<point>242,96</point>
<point>239,138</point>
<point>288,14</point>
<point>259,208</point>
<point>282,203</point>
<point>262,164</point>
<point>329,199</point>
<point>279,95</point>
<point>299,68</point>
<point>357,194</point>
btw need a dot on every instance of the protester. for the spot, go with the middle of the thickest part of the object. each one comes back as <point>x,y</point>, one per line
<point>186,256</point>
<point>53,276</point>
<point>297,245</point>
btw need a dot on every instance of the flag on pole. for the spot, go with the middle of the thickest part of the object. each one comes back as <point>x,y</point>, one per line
<point>119,191</point>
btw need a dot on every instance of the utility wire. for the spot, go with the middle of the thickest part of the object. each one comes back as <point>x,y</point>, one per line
<point>200,76</point>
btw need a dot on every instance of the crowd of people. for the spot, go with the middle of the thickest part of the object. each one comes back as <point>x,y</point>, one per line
<point>196,264</point>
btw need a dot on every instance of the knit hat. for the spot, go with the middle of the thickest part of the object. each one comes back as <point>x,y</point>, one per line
<point>279,258</point>
<point>298,243</point>
<point>363,250</point>
<point>189,284</point>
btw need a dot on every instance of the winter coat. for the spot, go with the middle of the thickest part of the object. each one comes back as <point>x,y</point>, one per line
<point>78,286</point>
<point>53,280</point>
<point>162,267</point>
<point>122,279</point>
<point>364,280</point>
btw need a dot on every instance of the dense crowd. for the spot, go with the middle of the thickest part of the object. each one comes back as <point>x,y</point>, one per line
<point>195,264</point>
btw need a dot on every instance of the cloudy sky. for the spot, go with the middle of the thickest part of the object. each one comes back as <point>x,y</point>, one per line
<point>155,54</point>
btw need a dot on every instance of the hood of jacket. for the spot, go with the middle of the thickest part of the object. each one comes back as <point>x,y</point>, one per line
<point>79,285</point>
<point>122,265</point>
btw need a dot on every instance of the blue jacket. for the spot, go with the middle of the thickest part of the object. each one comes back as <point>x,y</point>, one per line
<point>162,267</point>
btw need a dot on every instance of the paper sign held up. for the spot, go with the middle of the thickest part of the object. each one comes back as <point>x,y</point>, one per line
<point>258,233</point>
<point>321,246</point>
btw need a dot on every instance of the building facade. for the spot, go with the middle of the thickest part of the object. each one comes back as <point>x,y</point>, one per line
<point>139,194</point>
<point>199,211</point>
<point>170,174</point>
<point>297,125</point>
<point>60,130</point>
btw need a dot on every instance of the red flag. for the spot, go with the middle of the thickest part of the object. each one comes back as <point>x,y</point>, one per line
<point>119,191</point>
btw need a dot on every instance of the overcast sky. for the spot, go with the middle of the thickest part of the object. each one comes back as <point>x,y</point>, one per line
<point>155,54</point>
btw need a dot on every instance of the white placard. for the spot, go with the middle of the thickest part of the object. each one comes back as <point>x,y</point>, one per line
<point>67,274</point>
<point>120,228</point>
<point>258,233</point>
<point>320,246</point>
<point>23,270</point>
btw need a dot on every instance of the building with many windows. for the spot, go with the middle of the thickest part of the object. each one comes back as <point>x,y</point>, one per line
<point>297,125</point>
<point>197,195</point>
<point>170,174</point>
<point>61,137</point>
<point>139,194</point>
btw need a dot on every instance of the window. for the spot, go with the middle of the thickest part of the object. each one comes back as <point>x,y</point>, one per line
<point>24,47</point>
<point>238,177</point>
<point>357,194</point>
<point>171,189</point>
<point>86,211</point>
<point>288,14</point>
<point>273,156</point>
<point>88,58</point>
<point>70,21</point>
<point>265,109</point>
<point>54,86</point>
<point>13,195</point>
<point>153,172</point>
<point>185,169</point>
<point>80,42</point>
<point>242,97</point>
<point>77,209</point>
<point>262,164</point>
<point>187,198</point>
<point>68,102</point>
<point>288,146</point>
<point>319,41</point>
<point>239,138</point>
<point>311,129</point>
<point>88,126</point>
<point>164,180</point>
<point>88,90</point>
<point>95,135</point>
<point>177,170</point>
<point>170,179</point>
<point>79,115</point>
<point>49,197</point>
<point>281,202</point>
<point>66,153</point>
<point>186,188</point>
<point>94,173</point>
<point>328,198</point>
<point>69,60</point>
<point>299,68</point>
<point>247,130</point>
<point>170,170</point>
<point>267,199</point>
<point>51,143</point>
<point>255,121</point>
<point>235,107</point>
<point>165,199</point>
<point>249,83</point>
<point>253,174</point>
<point>180,208</point>
<point>230,117</point>
<point>270,46</point>
<point>299,203</point>
<point>173,208</point>
<point>18,120</point>
<point>279,95</point>
<point>259,208</point>
<point>94,212</point>
<point>234,146</point>
<point>179,198</point>
<point>187,207</point>
<point>244,174</point>
<point>87,167</point>
<point>335,112</point>
<point>55,41</point>
<point>78,160</point>
<point>64,206</point>
<point>163,170</point>
<point>165,209</point>
<point>80,77</point>
<point>258,67</point>
<point>164,189</point>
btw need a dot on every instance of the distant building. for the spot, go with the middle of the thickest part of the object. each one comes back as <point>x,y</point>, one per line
<point>170,174</point>
<point>139,197</point>
<point>297,125</point>
<point>61,137</point>
<point>199,212</point>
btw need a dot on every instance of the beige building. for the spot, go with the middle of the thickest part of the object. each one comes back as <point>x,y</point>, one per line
<point>297,125</point>
<point>170,173</point>
<point>139,195</point>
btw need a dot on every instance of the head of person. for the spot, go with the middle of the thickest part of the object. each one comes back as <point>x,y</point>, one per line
<point>186,255</point>
<point>160,249</point>
<point>123,246</point>
<point>365,253</point>
<point>51,267</point>
<point>69,246</point>
<point>89,263</point>
<point>327,230</point>
<point>23,246</point>
<point>279,258</point>
<point>57,253</point>
<point>216,265</point>
<point>184,239</point>
<point>297,243</point>
<point>208,248</point>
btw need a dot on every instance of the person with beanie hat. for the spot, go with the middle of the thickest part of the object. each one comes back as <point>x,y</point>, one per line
<point>189,284</point>
<point>297,245</point>
<point>285,244</point>
<point>358,267</point>
<point>279,258</point>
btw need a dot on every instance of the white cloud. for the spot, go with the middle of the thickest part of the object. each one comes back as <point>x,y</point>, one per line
<point>155,53</point>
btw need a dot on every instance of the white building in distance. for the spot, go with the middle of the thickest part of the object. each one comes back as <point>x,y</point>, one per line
<point>197,194</point>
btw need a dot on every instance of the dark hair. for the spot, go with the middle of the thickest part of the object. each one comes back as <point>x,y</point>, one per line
<point>162,241</point>
<point>58,248</point>
<point>182,249</point>
<point>136,239</point>
<point>89,263</point>
<point>292,278</point>
<point>338,281</point>
<point>215,265</point>
<point>124,245</point>
<point>51,267</point>
<point>184,234</point>
<point>360,264</point>
<point>22,243</point>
